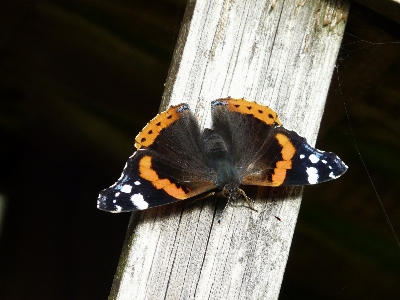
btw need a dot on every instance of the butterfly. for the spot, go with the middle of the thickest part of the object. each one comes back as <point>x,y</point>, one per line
<point>246,145</point>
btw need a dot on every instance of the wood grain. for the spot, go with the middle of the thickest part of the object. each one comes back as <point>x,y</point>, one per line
<point>281,54</point>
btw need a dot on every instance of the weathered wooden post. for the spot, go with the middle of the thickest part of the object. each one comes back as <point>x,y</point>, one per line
<point>280,54</point>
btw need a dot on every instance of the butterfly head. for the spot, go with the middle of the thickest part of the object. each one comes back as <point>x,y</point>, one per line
<point>231,191</point>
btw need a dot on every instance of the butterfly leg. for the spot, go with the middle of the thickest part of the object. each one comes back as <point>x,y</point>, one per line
<point>249,201</point>
<point>202,197</point>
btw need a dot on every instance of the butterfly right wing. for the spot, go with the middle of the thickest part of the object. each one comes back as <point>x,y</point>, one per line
<point>266,154</point>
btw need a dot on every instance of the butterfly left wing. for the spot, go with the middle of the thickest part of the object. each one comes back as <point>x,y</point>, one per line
<point>266,154</point>
<point>133,192</point>
<point>168,166</point>
<point>147,181</point>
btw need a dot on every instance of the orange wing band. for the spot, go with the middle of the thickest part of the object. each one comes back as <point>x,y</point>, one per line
<point>281,167</point>
<point>146,172</point>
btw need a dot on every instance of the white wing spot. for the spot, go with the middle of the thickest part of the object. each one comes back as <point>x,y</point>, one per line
<point>118,208</point>
<point>331,175</point>
<point>117,194</point>
<point>312,175</point>
<point>115,201</point>
<point>313,158</point>
<point>302,156</point>
<point>126,188</point>
<point>324,161</point>
<point>137,182</point>
<point>139,202</point>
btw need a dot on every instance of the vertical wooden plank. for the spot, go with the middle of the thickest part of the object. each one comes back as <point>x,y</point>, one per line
<point>281,54</point>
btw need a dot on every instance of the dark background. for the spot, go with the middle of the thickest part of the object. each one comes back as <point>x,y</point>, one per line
<point>79,79</point>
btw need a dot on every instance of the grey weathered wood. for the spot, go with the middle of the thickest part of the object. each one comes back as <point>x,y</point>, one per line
<point>281,54</point>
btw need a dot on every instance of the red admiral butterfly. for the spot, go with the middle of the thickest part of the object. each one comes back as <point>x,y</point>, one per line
<point>247,145</point>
